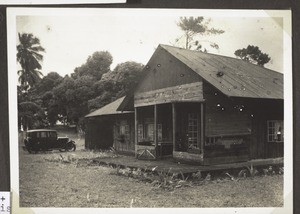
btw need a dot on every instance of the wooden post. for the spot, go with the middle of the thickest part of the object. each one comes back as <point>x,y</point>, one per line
<point>155,131</point>
<point>174,125</point>
<point>135,130</point>
<point>202,139</point>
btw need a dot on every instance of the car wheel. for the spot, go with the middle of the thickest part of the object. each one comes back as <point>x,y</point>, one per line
<point>71,146</point>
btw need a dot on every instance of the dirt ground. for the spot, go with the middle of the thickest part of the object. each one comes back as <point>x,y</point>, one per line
<point>55,179</point>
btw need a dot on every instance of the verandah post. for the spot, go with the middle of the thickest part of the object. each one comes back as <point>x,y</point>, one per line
<point>155,130</point>
<point>174,125</point>
<point>202,128</point>
<point>135,130</point>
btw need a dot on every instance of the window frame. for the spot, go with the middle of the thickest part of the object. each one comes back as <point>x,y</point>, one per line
<point>193,129</point>
<point>271,131</point>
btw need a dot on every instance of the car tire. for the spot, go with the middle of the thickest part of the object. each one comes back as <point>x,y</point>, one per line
<point>71,146</point>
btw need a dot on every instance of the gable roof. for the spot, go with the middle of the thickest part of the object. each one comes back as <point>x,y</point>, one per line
<point>109,109</point>
<point>233,77</point>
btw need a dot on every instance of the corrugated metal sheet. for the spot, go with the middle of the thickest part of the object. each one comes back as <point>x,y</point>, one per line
<point>233,77</point>
<point>109,109</point>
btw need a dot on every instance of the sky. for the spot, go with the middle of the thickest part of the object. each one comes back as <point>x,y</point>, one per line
<point>69,38</point>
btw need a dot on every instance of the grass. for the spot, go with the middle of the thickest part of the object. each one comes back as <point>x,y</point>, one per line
<point>70,179</point>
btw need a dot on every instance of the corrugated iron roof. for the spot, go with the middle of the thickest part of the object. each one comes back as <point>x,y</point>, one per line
<point>109,109</point>
<point>233,77</point>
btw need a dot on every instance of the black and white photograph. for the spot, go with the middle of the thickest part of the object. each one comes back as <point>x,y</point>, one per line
<point>150,108</point>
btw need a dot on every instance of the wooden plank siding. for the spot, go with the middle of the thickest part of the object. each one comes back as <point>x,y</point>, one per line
<point>263,112</point>
<point>228,127</point>
<point>223,117</point>
<point>99,134</point>
<point>180,93</point>
<point>164,70</point>
<point>126,145</point>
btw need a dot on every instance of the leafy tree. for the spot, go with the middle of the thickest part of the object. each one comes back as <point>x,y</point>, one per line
<point>70,98</point>
<point>48,82</point>
<point>30,115</point>
<point>96,65</point>
<point>29,57</point>
<point>63,97</point>
<point>115,84</point>
<point>105,98</point>
<point>194,28</point>
<point>253,54</point>
<point>42,94</point>
<point>129,74</point>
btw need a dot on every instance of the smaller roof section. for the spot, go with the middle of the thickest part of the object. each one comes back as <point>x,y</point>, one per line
<point>109,109</point>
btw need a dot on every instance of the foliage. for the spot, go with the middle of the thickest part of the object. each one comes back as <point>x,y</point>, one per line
<point>158,179</point>
<point>30,115</point>
<point>48,82</point>
<point>194,28</point>
<point>115,84</point>
<point>68,99</point>
<point>253,54</point>
<point>95,66</point>
<point>29,57</point>
<point>30,112</point>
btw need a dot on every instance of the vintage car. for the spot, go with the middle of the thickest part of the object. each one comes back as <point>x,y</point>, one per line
<point>47,140</point>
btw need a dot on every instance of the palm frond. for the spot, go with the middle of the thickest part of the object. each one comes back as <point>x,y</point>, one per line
<point>29,57</point>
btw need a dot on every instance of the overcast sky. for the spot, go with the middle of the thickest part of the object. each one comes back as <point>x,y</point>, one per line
<point>134,35</point>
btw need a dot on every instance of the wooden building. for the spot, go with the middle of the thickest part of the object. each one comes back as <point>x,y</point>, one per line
<point>107,127</point>
<point>204,108</point>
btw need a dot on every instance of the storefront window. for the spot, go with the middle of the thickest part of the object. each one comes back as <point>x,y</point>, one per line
<point>146,131</point>
<point>192,130</point>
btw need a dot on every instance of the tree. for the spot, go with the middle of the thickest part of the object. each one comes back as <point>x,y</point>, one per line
<point>42,94</point>
<point>70,98</point>
<point>127,74</point>
<point>30,115</point>
<point>253,54</point>
<point>29,57</point>
<point>115,84</point>
<point>48,82</point>
<point>193,29</point>
<point>96,65</point>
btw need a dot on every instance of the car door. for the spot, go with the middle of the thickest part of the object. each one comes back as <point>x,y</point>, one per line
<point>52,139</point>
<point>42,140</point>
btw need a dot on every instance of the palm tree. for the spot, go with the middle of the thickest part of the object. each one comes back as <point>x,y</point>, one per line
<point>29,57</point>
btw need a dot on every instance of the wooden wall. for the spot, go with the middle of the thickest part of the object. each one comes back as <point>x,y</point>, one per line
<point>180,93</point>
<point>164,70</point>
<point>224,118</point>
<point>228,127</point>
<point>127,145</point>
<point>264,111</point>
<point>99,133</point>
